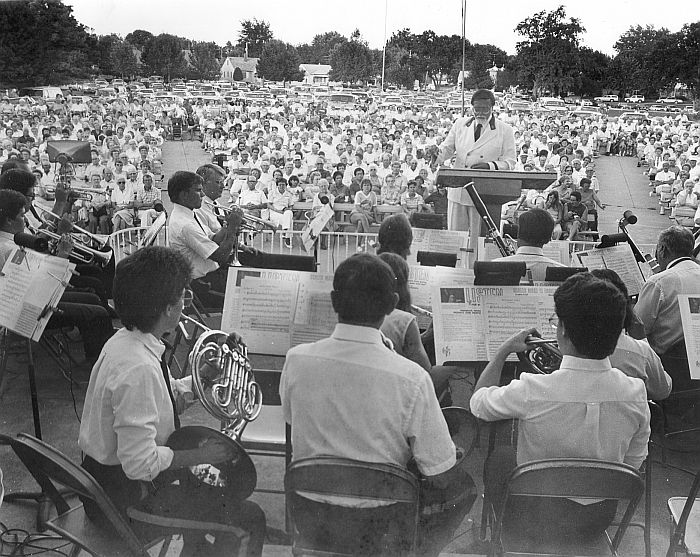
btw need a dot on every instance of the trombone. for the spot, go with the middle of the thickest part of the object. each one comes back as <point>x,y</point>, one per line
<point>99,240</point>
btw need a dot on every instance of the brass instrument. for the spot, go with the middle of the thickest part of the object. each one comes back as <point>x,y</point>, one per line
<point>505,245</point>
<point>544,357</point>
<point>223,380</point>
<point>250,223</point>
<point>232,395</point>
<point>421,311</point>
<point>79,234</point>
<point>80,252</point>
<point>86,194</point>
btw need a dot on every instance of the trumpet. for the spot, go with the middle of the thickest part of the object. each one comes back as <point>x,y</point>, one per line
<point>544,357</point>
<point>232,395</point>
<point>80,252</point>
<point>250,223</point>
<point>86,194</point>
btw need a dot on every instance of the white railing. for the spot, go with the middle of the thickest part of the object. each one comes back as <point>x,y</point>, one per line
<point>340,245</point>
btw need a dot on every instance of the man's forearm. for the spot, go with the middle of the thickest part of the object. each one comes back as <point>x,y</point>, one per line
<point>491,376</point>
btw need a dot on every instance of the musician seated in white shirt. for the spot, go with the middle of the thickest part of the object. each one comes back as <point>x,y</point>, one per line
<point>535,228</point>
<point>214,180</point>
<point>132,408</point>
<point>585,409</point>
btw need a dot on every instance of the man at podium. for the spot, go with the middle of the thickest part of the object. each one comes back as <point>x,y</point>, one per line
<point>481,142</point>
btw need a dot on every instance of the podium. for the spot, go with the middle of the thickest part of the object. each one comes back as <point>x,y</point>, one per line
<point>495,187</point>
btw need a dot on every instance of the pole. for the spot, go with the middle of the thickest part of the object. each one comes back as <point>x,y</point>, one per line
<point>386,10</point>
<point>464,33</point>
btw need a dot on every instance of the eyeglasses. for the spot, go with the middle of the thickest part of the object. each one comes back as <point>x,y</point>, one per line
<point>187,297</point>
<point>554,321</point>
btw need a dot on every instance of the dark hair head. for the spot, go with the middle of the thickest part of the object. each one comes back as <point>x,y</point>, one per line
<point>484,94</point>
<point>535,227</point>
<point>19,180</point>
<point>612,277</point>
<point>14,163</point>
<point>146,283</point>
<point>676,241</point>
<point>182,181</point>
<point>576,194</point>
<point>363,289</point>
<point>585,181</point>
<point>11,204</point>
<point>209,171</point>
<point>593,312</point>
<point>395,235</point>
<point>400,267</point>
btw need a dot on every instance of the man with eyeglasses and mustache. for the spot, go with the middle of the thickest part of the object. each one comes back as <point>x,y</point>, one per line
<point>481,142</point>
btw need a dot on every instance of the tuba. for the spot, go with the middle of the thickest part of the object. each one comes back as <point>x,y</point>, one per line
<point>544,357</point>
<point>222,378</point>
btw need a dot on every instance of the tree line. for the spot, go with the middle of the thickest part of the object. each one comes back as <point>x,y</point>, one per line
<point>42,43</point>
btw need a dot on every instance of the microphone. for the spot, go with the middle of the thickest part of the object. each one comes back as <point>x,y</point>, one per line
<point>36,243</point>
<point>629,217</point>
<point>609,240</point>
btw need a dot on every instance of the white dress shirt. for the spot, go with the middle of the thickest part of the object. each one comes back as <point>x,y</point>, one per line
<point>192,238</point>
<point>127,416</point>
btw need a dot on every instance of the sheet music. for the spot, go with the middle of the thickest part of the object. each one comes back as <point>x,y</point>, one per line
<point>470,323</point>
<point>30,283</point>
<point>274,310</point>
<point>509,309</point>
<point>439,241</point>
<point>422,279</point>
<point>690,318</point>
<point>617,258</point>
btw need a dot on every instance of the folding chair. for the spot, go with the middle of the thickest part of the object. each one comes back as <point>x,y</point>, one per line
<point>566,479</point>
<point>685,519</point>
<point>50,467</point>
<point>390,528</point>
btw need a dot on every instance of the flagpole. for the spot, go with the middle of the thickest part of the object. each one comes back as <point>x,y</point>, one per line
<point>386,11</point>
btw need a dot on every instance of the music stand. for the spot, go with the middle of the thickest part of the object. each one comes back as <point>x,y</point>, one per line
<point>560,274</point>
<point>498,273</point>
<point>436,259</point>
<point>263,260</point>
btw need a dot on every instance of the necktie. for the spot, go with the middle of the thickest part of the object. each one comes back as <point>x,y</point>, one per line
<point>199,223</point>
<point>477,132</point>
<point>166,376</point>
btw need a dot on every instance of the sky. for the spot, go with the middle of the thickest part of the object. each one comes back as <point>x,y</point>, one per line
<point>297,21</point>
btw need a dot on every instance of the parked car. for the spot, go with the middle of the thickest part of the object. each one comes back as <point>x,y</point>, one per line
<point>607,99</point>
<point>670,100</point>
<point>635,99</point>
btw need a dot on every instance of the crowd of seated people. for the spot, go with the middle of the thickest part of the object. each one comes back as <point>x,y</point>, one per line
<point>304,143</point>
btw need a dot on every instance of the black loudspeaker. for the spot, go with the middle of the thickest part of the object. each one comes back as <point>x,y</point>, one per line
<point>278,261</point>
<point>560,274</point>
<point>76,152</point>
<point>435,259</point>
<point>498,273</point>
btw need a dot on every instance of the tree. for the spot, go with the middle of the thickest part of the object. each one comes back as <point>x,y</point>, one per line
<point>351,61</point>
<point>638,65</point>
<point>688,59</point>
<point>125,62</point>
<point>548,57</point>
<point>41,43</point>
<point>254,34</point>
<point>323,45</point>
<point>139,38</point>
<point>594,73</point>
<point>203,61</point>
<point>279,61</point>
<point>164,56</point>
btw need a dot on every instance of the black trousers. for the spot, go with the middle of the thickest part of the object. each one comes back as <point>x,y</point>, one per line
<point>84,311</point>
<point>180,507</point>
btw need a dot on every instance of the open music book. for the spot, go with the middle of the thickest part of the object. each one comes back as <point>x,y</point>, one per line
<point>618,258</point>
<point>31,285</point>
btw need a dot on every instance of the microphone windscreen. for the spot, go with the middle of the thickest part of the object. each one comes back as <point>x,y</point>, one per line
<point>36,243</point>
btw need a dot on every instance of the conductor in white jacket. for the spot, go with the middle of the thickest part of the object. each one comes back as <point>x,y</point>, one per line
<point>480,142</point>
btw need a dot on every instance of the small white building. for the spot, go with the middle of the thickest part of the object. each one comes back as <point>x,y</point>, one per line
<point>315,74</point>
<point>248,67</point>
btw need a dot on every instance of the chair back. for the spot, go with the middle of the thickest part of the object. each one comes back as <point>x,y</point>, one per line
<point>50,468</point>
<point>328,476</point>
<point>580,479</point>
